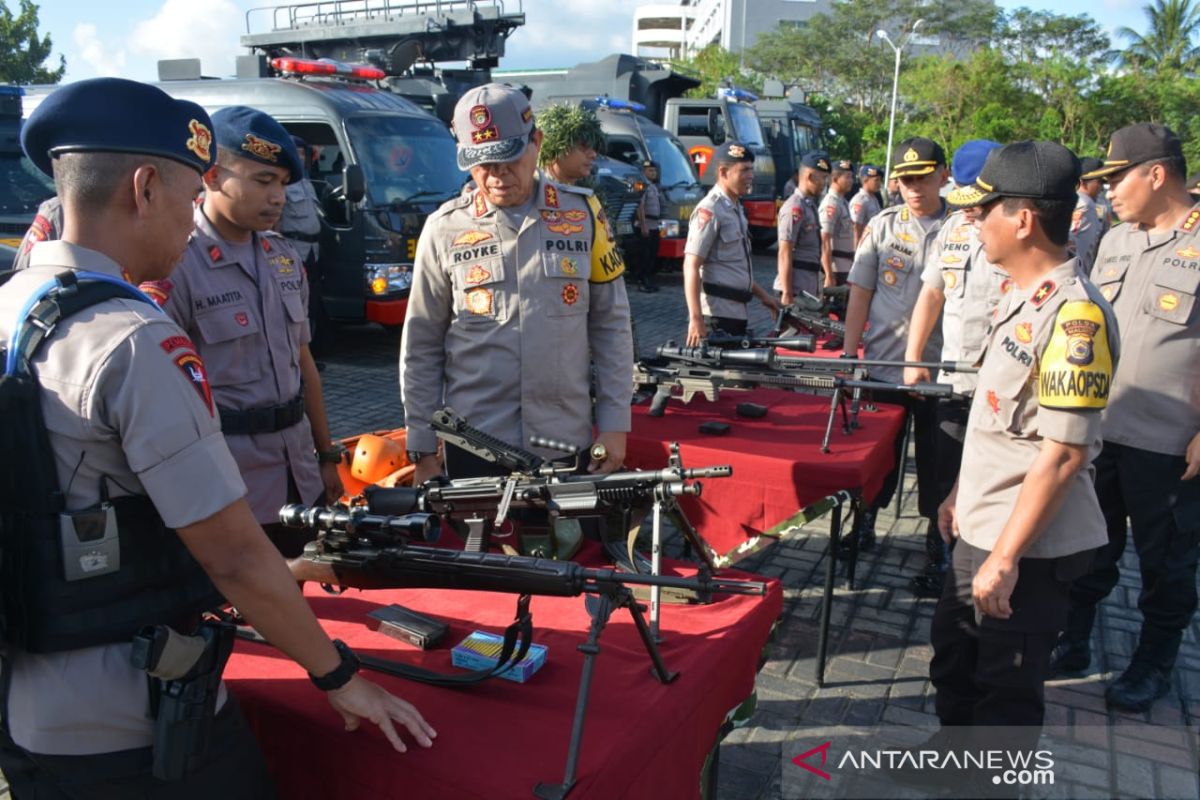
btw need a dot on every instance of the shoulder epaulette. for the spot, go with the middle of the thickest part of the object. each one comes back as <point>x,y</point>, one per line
<point>1191,220</point>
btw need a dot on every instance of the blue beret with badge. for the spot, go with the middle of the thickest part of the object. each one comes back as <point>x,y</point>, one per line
<point>114,115</point>
<point>733,153</point>
<point>869,171</point>
<point>816,159</point>
<point>249,133</point>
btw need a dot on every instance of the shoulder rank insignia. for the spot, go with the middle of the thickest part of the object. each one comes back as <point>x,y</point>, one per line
<point>1076,367</point>
<point>904,214</point>
<point>551,196</point>
<point>481,206</point>
<point>266,245</point>
<point>1192,219</point>
<point>214,253</point>
<point>1043,292</point>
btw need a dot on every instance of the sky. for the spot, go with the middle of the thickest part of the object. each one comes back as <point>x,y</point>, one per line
<point>96,41</point>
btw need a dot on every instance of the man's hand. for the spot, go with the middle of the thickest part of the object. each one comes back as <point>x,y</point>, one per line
<point>830,280</point>
<point>770,303</point>
<point>785,297</point>
<point>614,446</point>
<point>332,481</point>
<point>696,331</point>
<point>429,466</point>
<point>947,517</point>
<point>993,586</point>
<point>1193,458</point>
<point>360,698</point>
<point>916,375</point>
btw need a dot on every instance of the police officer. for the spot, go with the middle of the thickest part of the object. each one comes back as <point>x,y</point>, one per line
<point>131,426</point>
<point>1086,224</point>
<point>241,294</point>
<point>1149,269</point>
<point>961,287</point>
<point>865,203</point>
<point>301,220</point>
<point>572,138</point>
<point>800,266</point>
<point>515,298</point>
<point>894,196</point>
<point>1024,509</point>
<point>1095,190</point>
<point>884,285</point>
<point>718,275</point>
<point>649,213</point>
<point>837,228</point>
<point>46,227</point>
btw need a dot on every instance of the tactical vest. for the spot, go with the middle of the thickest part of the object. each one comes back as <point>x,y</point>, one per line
<point>65,586</point>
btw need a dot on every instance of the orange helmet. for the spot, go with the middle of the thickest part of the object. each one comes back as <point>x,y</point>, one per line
<point>376,457</point>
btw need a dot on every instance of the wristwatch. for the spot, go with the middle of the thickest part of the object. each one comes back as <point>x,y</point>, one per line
<point>333,456</point>
<point>415,456</point>
<point>342,673</point>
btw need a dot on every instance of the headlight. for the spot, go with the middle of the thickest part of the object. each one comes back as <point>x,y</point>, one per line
<point>668,228</point>
<point>388,278</point>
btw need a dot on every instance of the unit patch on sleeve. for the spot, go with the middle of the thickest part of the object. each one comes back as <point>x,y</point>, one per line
<point>1076,369</point>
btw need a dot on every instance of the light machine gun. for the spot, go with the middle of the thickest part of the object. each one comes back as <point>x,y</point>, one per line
<point>358,549</point>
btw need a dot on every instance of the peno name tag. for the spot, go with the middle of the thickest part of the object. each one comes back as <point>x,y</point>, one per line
<point>1076,369</point>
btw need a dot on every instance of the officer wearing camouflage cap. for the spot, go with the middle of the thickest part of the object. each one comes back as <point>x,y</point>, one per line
<point>134,439</point>
<point>718,277</point>
<point>241,293</point>
<point>515,302</point>
<point>1149,269</point>
<point>571,140</point>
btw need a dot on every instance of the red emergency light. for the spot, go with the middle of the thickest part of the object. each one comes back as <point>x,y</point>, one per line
<point>326,66</point>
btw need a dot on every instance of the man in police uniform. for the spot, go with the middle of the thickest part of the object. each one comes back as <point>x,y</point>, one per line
<point>130,419</point>
<point>1095,190</point>
<point>572,139</point>
<point>837,228</point>
<point>884,285</point>
<point>718,275</point>
<point>301,220</point>
<point>961,287</point>
<point>241,293</point>
<point>1086,226</point>
<point>1024,509</point>
<point>46,227</point>
<point>1149,269</point>
<point>515,298</point>
<point>865,203</point>
<point>649,213</point>
<point>800,266</point>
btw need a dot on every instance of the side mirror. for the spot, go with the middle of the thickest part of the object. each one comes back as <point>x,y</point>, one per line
<point>355,183</point>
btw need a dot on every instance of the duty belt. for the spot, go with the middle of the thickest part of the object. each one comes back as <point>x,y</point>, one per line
<point>270,419</point>
<point>727,292</point>
<point>308,238</point>
<point>843,254</point>
<point>806,266</point>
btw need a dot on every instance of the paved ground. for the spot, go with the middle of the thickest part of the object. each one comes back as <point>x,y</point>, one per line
<point>877,684</point>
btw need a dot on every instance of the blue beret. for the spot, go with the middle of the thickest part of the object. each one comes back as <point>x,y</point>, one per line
<point>869,171</point>
<point>114,115</point>
<point>968,160</point>
<point>733,153</point>
<point>253,134</point>
<point>816,159</point>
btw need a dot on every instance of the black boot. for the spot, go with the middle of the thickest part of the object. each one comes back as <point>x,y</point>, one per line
<point>1073,653</point>
<point>1138,687</point>
<point>929,581</point>
<point>864,533</point>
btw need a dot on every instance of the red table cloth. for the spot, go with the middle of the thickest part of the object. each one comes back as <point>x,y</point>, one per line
<point>778,466</point>
<point>642,739</point>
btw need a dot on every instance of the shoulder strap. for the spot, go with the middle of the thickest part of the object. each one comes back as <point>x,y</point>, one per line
<point>62,296</point>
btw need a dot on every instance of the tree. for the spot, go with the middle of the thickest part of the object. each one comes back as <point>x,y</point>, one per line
<point>1170,42</point>
<point>712,66</point>
<point>22,52</point>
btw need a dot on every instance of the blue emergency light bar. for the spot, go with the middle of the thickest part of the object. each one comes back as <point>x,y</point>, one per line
<point>620,105</point>
<point>12,90</point>
<point>734,93</point>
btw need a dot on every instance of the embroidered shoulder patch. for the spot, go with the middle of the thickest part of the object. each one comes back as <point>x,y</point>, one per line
<point>1076,368</point>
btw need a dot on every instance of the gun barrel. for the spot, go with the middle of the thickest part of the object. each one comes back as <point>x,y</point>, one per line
<point>699,583</point>
<point>800,362</point>
<point>925,389</point>
<point>803,343</point>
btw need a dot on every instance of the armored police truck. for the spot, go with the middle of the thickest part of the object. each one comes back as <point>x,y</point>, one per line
<point>792,129</point>
<point>23,187</point>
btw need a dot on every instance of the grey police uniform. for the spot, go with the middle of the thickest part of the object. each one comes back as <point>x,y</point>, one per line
<point>1152,281</point>
<point>1045,376</point>
<point>835,221</point>
<point>1086,230</point>
<point>301,220</point>
<point>46,227</point>
<point>508,313</point>
<point>863,207</point>
<point>889,261</point>
<point>246,308</point>
<point>972,286</point>
<point>127,406</point>
<point>719,236</point>
<point>799,224</point>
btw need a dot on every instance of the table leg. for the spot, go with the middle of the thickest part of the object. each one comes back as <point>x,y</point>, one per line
<point>835,531</point>
<point>903,463</point>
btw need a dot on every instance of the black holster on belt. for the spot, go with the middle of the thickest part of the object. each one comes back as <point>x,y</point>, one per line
<point>269,419</point>
<point>185,678</point>
<point>727,292</point>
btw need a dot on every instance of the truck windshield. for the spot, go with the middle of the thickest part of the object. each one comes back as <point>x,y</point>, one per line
<point>22,185</point>
<point>404,158</point>
<point>745,124</point>
<point>674,167</point>
<point>805,138</point>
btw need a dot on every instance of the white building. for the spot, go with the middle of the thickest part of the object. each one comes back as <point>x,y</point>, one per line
<point>680,30</point>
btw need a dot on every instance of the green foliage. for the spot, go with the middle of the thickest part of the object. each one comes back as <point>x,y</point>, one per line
<point>563,127</point>
<point>712,66</point>
<point>22,52</point>
<point>1170,42</point>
